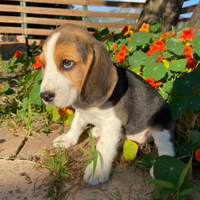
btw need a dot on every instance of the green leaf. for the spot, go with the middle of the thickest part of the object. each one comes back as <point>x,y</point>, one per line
<point>169,169</point>
<point>160,183</point>
<point>156,193</point>
<point>155,70</point>
<point>189,191</point>
<point>175,47</point>
<point>177,65</point>
<point>167,54</point>
<point>35,96</point>
<point>154,26</point>
<point>184,173</point>
<point>184,149</point>
<point>148,159</point>
<point>184,84</point>
<point>55,113</point>
<point>86,151</point>
<point>194,136</point>
<point>95,159</point>
<point>178,106</point>
<point>70,119</point>
<point>39,76</point>
<point>5,87</point>
<point>92,141</point>
<point>193,101</point>
<point>152,58</point>
<point>196,42</point>
<point>140,38</point>
<point>24,103</point>
<point>130,150</point>
<point>137,59</point>
<point>168,86</point>
<point>48,108</point>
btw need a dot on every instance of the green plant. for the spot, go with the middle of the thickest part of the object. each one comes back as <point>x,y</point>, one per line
<point>56,161</point>
<point>172,176</point>
<point>93,153</point>
<point>116,195</point>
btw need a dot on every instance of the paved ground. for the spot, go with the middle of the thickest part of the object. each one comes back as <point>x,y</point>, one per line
<point>22,179</point>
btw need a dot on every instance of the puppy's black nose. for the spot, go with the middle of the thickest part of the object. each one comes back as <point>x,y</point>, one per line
<point>47,96</point>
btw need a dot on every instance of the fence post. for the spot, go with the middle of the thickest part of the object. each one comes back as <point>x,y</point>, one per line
<point>85,18</point>
<point>23,15</point>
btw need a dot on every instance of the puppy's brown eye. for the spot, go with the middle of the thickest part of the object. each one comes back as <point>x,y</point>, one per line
<point>67,65</point>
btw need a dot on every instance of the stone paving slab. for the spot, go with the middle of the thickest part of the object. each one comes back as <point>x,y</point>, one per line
<point>35,144</point>
<point>10,142</point>
<point>17,180</point>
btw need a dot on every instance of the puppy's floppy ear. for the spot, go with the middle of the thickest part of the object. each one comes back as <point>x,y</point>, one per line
<point>100,77</point>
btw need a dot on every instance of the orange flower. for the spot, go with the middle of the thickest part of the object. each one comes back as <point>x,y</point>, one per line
<point>159,59</point>
<point>125,29</point>
<point>123,50</point>
<point>187,51</point>
<point>152,50</point>
<point>119,58</point>
<point>17,54</point>
<point>187,34</point>
<point>121,54</point>
<point>144,27</point>
<point>129,31</point>
<point>96,31</point>
<point>159,44</point>
<point>197,154</point>
<point>114,46</point>
<point>155,84</point>
<point>163,36</point>
<point>62,110</point>
<point>169,33</point>
<point>38,63</point>
<point>191,62</point>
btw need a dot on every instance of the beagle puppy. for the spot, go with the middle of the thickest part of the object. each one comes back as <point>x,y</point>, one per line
<point>77,70</point>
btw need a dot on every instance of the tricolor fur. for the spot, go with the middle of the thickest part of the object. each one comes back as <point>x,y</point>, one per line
<point>78,71</point>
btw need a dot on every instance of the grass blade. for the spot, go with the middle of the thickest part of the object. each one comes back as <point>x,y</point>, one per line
<point>92,141</point>
<point>86,151</point>
<point>184,173</point>
<point>95,158</point>
<point>190,191</point>
<point>165,184</point>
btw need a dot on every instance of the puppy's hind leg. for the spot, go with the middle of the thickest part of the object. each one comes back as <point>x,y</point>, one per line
<point>164,143</point>
<point>71,137</point>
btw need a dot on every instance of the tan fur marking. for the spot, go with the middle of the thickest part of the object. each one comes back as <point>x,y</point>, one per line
<point>69,52</point>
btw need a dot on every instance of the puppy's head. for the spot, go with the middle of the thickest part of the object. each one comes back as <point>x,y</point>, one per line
<point>76,68</point>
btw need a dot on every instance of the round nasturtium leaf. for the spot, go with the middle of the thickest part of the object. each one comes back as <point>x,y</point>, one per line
<point>175,47</point>
<point>178,106</point>
<point>130,150</point>
<point>169,169</point>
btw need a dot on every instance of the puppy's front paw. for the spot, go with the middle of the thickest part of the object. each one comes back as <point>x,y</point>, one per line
<point>101,174</point>
<point>65,141</point>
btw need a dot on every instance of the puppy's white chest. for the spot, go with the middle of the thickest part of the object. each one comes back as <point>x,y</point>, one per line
<point>101,116</point>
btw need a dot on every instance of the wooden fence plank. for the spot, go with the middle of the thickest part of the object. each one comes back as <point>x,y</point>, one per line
<point>37,31</point>
<point>10,8</point>
<point>9,19</point>
<point>88,2</point>
<point>12,30</point>
<point>80,13</point>
<point>188,9</point>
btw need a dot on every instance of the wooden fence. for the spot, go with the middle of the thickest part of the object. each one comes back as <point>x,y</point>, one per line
<point>20,18</point>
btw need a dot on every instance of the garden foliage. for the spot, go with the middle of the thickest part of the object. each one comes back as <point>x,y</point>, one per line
<point>170,62</point>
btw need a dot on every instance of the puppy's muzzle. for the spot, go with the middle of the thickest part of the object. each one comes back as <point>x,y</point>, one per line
<point>47,96</point>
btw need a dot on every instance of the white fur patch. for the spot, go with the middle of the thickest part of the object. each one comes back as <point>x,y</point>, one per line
<point>105,118</point>
<point>54,80</point>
